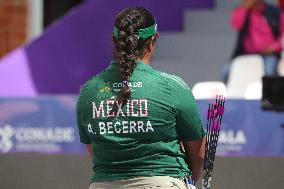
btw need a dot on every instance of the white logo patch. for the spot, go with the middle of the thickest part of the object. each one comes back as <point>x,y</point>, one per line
<point>6,134</point>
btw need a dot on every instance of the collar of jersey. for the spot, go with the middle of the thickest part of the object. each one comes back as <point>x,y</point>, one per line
<point>139,65</point>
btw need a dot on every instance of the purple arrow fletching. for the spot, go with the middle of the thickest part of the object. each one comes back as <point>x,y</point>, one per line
<point>216,125</point>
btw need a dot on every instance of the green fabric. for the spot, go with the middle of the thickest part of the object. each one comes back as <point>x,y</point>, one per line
<point>142,33</point>
<point>142,138</point>
<point>115,32</point>
<point>148,32</point>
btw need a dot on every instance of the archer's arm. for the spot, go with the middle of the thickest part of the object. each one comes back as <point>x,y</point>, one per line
<point>195,151</point>
<point>90,150</point>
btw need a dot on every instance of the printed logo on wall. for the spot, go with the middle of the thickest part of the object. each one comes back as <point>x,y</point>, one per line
<point>247,130</point>
<point>231,141</point>
<point>42,125</point>
<point>6,134</point>
<point>35,139</point>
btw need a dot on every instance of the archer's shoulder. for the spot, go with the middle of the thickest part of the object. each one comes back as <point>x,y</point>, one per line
<point>175,81</point>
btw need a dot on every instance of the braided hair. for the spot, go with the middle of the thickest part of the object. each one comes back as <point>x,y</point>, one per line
<point>128,47</point>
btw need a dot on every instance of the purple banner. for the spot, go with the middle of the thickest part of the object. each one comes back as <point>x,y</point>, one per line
<point>246,130</point>
<point>42,125</point>
<point>15,77</point>
<point>48,125</point>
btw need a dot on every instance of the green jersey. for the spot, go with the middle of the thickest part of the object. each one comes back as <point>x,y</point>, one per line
<point>141,137</point>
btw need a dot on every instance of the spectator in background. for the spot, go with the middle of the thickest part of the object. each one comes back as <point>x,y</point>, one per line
<point>260,27</point>
<point>281,4</point>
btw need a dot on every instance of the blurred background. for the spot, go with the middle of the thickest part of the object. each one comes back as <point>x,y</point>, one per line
<point>49,48</point>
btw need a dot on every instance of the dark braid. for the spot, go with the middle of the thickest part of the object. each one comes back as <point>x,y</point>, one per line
<point>127,46</point>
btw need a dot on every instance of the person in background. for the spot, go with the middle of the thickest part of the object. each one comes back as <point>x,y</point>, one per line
<point>260,27</point>
<point>281,4</point>
<point>133,118</point>
<point>281,62</point>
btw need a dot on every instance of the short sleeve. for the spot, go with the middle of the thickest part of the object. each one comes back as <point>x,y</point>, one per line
<point>188,117</point>
<point>80,109</point>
